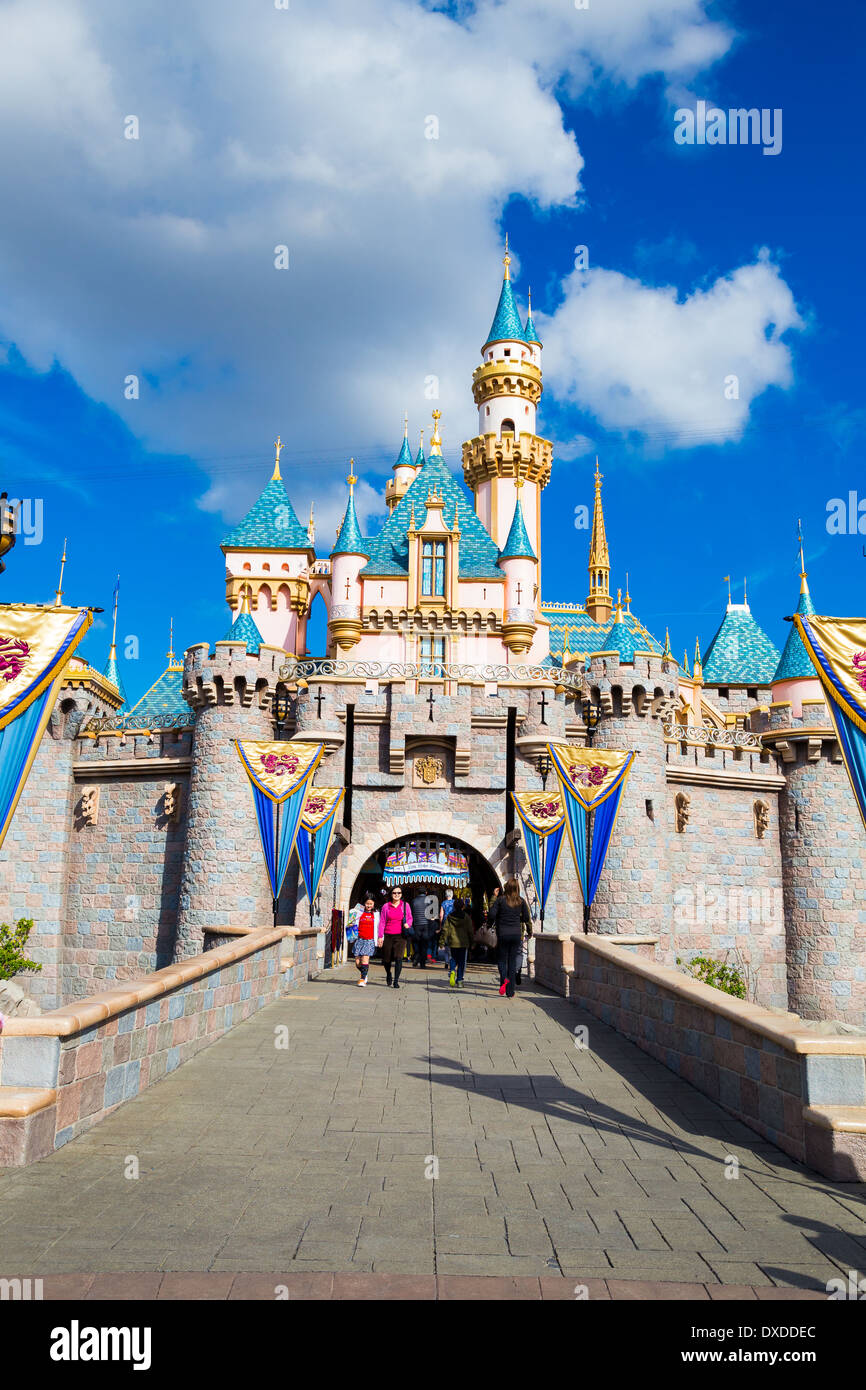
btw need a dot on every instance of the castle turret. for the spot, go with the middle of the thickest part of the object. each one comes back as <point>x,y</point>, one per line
<point>404,470</point>
<point>348,558</point>
<point>520,565</point>
<point>268,556</point>
<point>795,678</point>
<point>507,388</point>
<point>598,603</point>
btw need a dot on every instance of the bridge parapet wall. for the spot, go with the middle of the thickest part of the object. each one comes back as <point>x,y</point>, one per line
<point>800,1085</point>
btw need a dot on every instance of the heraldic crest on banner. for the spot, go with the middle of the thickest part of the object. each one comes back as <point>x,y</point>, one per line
<point>542,812</point>
<point>35,645</point>
<point>278,769</point>
<point>321,803</point>
<point>592,774</point>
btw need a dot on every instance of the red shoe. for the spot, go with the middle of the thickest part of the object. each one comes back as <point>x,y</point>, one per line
<point>503,987</point>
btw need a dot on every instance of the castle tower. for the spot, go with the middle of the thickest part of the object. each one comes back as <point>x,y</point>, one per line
<point>269,555</point>
<point>348,558</point>
<point>507,388</point>
<point>404,470</point>
<point>598,603</point>
<point>520,565</point>
<point>795,678</point>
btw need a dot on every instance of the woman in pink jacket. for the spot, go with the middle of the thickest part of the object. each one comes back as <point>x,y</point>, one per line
<point>394,916</point>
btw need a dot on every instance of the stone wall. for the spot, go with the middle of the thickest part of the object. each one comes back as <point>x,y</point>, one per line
<point>803,1090</point>
<point>74,1066</point>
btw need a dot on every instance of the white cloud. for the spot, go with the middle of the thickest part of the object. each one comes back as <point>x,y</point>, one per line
<point>306,127</point>
<point>642,359</point>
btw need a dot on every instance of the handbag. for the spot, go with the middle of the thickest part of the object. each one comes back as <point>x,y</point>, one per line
<point>406,930</point>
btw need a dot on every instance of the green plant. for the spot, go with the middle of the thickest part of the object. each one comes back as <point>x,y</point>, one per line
<point>12,943</point>
<point>716,973</point>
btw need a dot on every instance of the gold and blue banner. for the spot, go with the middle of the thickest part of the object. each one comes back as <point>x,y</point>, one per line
<point>35,646</point>
<point>317,826</point>
<point>281,776</point>
<point>543,819</point>
<point>591,784</point>
<point>837,649</point>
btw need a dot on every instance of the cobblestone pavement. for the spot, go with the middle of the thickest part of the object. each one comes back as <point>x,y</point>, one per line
<point>554,1162</point>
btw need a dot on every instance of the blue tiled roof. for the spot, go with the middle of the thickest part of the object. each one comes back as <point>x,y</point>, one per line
<point>741,653</point>
<point>530,335</point>
<point>796,663</point>
<point>419,457</point>
<point>163,698</point>
<point>350,541</point>
<point>586,636</point>
<point>112,672</point>
<point>270,524</point>
<point>389,551</point>
<point>506,321</point>
<point>621,638</point>
<point>518,542</point>
<point>244,629</point>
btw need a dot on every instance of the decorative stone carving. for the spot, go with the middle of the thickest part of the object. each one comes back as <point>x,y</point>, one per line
<point>90,805</point>
<point>682,802</point>
<point>172,800</point>
<point>429,768</point>
<point>762,819</point>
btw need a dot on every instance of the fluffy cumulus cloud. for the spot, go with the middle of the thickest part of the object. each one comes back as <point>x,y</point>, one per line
<point>307,128</point>
<point>679,372</point>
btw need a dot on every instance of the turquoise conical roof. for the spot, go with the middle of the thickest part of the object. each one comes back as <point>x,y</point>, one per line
<point>244,629</point>
<point>404,458</point>
<point>518,543</point>
<point>506,321</point>
<point>270,524</point>
<point>530,335</point>
<point>419,457</point>
<point>796,664</point>
<point>163,700</point>
<point>619,637</point>
<point>112,672</point>
<point>349,540</point>
<point>741,653</point>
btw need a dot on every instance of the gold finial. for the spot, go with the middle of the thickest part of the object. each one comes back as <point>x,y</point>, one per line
<point>745,594</point>
<point>170,652</point>
<point>598,476</point>
<point>405,424</point>
<point>506,261</point>
<point>529,301</point>
<point>412,518</point>
<point>351,480</point>
<point>698,666</point>
<point>617,617</point>
<point>277,476</point>
<point>58,594</point>
<point>519,479</point>
<point>245,600</point>
<point>627,595</point>
<point>804,586</point>
<point>726,579</point>
<point>435,440</point>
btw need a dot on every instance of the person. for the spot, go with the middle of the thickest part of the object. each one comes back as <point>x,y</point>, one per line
<point>510,917</point>
<point>458,933</point>
<point>444,913</point>
<point>423,904</point>
<point>365,942</point>
<point>395,915</point>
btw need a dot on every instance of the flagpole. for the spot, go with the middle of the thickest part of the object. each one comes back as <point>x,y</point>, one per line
<point>592,715</point>
<point>276,860</point>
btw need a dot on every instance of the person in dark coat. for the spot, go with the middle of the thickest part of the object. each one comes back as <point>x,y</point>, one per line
<point>509,915</point>
<point>425,912</point>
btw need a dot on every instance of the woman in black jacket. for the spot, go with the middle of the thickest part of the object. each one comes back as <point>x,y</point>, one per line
<point>510,916</point>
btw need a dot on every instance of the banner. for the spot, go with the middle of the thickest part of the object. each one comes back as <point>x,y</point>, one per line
<point>320,811</point>
<point>591,783</point>
<point>837,648</point>
<point>543,819</point>
<point>35,645</point>
<point>280,779</point>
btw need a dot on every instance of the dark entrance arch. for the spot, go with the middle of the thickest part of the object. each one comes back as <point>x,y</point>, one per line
<point>483,878</point>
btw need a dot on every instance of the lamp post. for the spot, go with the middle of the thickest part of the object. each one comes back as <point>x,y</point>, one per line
<point>282,710</point>
<point>592,719</point>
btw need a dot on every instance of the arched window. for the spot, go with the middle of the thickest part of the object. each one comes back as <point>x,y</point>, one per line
<point>285,569</point>
<point>433,569</point>
<point>266,567</point>
<point>247,565</point>
<point>507,427</point>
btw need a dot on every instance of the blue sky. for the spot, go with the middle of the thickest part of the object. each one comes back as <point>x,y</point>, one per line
<point>383,293</point>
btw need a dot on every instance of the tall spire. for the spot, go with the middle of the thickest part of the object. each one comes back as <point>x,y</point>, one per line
<point>506,260</point>
<point>311,524</point>
<point>435,440</point>
<point>804,583</point>
<point>349,539</point>
<point>598,603</point>
<point>277,476</point>
<point>507,324</point>
<point>112,670</point>
<point>58,595</point>
<point>113,652</point>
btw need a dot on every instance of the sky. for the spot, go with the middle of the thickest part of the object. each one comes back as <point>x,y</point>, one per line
<point>700,304</point>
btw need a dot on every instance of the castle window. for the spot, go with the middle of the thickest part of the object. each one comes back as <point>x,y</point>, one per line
<point>433,569</point>
<point>285,569</point>
<point>247,565</point>
<point>752,692</point>
<point>723,692</point>
<point>507,427</point>
<point>432,656</point>
<point>508,352</point>
<point>266,568</point>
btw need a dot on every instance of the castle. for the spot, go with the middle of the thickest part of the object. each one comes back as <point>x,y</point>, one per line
<point>446,675</point>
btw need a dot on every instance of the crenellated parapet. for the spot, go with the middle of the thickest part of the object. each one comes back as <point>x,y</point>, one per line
<point>224,674</point>
<point>491,456</point>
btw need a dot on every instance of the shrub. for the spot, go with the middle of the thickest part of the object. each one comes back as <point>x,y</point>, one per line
<point>12,943</point>
<point>716,973</point>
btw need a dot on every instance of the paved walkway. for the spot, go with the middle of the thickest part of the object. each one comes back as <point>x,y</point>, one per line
<point>556,1166</point>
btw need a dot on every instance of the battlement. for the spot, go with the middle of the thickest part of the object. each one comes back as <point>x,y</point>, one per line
<point>229,675</point>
